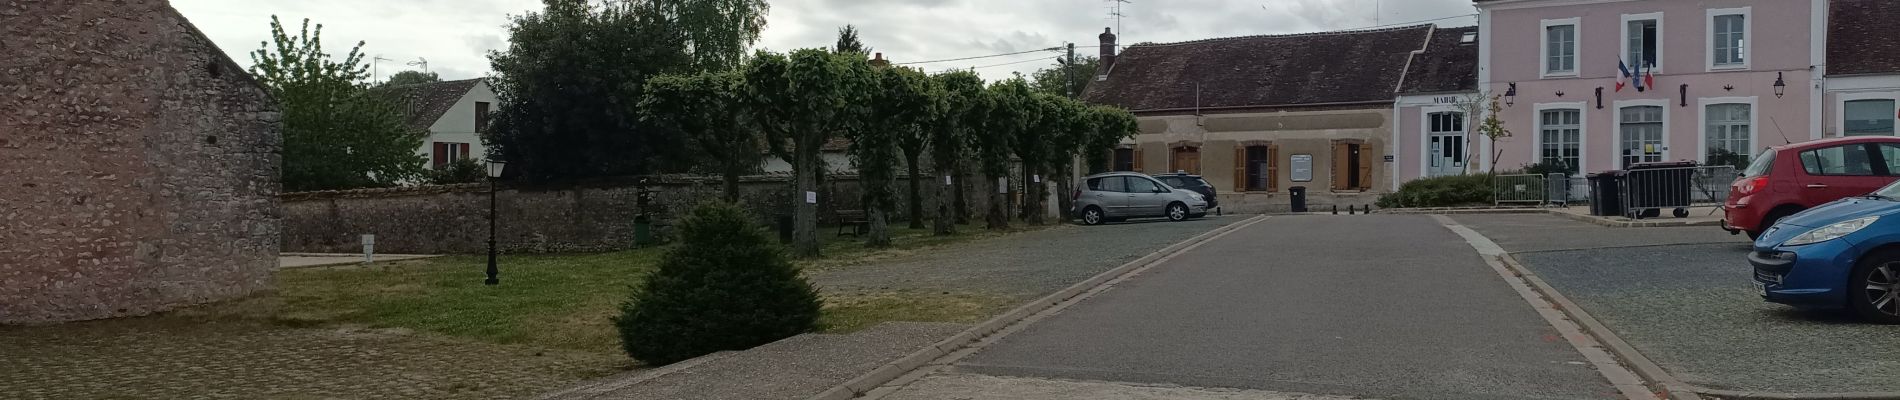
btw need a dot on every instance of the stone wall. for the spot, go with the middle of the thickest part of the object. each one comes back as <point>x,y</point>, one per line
<point>596,216</point>
<point>138,165</point>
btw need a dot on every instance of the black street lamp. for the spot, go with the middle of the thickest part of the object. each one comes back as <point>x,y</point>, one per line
<point>494,174</point>
<point>1781,86</point>
<point>1510,95</point>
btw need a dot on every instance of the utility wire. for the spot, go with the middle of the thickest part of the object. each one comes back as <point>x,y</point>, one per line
<point>994,65</point>
<point>1059,48</point>
<point>1051,48</point>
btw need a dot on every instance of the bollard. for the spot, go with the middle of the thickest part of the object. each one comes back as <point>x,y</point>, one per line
<point>1335,209</point>
<point>1352,209</point>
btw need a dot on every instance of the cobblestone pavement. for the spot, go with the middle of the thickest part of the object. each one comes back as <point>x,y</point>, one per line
<point>1682,297</point>
<point>1024,265</point>
<point>960,386</point>
<point>169,357</point>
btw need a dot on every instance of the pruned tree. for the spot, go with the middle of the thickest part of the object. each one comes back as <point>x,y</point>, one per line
<point>337,135</point>
<point>1071,124</point>
<point>800,100</point>
<point>1112,125</point>
<point>903,104</point>
<point>962,104</point>
<point>568,83</point>
<point>1013,111</point>
<point>1032,145</point>
<point>705,110</point>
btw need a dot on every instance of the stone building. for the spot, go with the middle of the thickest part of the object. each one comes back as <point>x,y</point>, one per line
<point>139,164</point>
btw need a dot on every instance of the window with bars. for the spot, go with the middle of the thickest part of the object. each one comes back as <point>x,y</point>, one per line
<point>1560,47</point>
<point>1730,136</point>
<point>1561,137</point>
<point>1730,35</point>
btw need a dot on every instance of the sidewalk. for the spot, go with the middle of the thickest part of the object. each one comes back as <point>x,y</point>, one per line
<point>1698,216</point>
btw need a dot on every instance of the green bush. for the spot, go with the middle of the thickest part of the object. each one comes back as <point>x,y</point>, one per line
<point>1443,191</point>
<point>461,171</point>
<point>726,286</point>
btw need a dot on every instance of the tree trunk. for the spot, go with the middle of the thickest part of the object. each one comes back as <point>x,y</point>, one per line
<point>878,208</point>
<point>1032,195</point>
<point>1064,186</point>
<point>962,201</point>
<point>805,213</point>
<point>998,216</point>
<point>916,191</point>
<point>732,186</point>
<point>946,213</point>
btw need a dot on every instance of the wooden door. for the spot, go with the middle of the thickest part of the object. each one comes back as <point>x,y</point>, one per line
<point>1340,167</point>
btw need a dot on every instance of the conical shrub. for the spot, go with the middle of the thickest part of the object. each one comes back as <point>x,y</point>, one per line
<point>726,286</point>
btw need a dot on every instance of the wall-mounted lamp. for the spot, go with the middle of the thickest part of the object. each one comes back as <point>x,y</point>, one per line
<point>1728,88</point>
<point>1781,86</point>
<point>1684,92</point>
<point>1510,95</point>
<point>1599,97</point>
<point>1560,93</point>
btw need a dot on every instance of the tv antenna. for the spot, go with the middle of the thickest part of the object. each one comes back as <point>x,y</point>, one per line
<point>420,62</point>
<point>1115,12</point>
<point>374,63</point>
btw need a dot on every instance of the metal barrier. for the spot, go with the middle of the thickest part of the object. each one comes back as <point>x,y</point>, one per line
<point>1649,191</point>
<point>1519,189</point>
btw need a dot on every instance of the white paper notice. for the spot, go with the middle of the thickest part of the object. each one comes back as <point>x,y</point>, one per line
<point>1037,178</point>
<point>946,180</point>
<point>1002,185</point>
<point>811,197</point>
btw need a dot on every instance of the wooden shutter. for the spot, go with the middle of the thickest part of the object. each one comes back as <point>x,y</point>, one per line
<point>463,150</point>
<point>1339,166</point>
<point>1138,160</point>
<point>1273,167</point>
<point>1365,168</point>
<point>1240,168</point>
<point>440,154</point>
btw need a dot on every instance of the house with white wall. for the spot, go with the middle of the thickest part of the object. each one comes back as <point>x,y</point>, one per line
<point>453,112</point>
<point>1432,136</point>
<point>1862,72</point>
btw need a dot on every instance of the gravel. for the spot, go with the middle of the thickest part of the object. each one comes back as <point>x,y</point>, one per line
<point>1689,307</point>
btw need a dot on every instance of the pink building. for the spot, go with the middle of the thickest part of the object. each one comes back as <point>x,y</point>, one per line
<point>1715,81</point>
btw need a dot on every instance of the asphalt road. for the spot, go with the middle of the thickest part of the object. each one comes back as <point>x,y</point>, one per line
<point>1387,306</point>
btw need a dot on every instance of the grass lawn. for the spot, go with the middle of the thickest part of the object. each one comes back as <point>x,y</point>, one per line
<point>567,300</point>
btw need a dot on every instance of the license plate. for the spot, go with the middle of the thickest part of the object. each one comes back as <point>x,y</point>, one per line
<point>1760,287</point>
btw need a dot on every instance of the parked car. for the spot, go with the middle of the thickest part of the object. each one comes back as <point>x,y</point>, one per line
<point>1183,180</point>
<point>1843,254</point>
<point>1784,180</point>
<point>1122,195</point>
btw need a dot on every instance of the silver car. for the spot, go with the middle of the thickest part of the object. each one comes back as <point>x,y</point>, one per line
<point>1121,195</point>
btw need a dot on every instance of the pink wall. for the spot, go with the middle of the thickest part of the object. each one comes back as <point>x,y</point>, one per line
<point>1780,37</point>
<point>1409,149</point>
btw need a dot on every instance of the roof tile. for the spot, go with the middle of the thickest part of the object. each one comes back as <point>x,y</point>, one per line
<point>1261,71</point>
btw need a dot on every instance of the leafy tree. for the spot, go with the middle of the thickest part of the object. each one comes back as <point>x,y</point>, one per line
<point>705,109</point>
<point>901,105</point>
<point>1111,126</point>
<point>962,106</point>
<point>1481,110</point>
<point>568,83</point>
<point>1012,112</point>
<point>461,171</point>
<point>1032,146</point>
<point>1070,125</point>
<point>727,286</point>
<point>411,78</point>
<point>926,97</point>
<point>848,41</point>
<point>717,32</point>
<point>1060,79</point>
<point>800,101</point>
<point>336,134</point>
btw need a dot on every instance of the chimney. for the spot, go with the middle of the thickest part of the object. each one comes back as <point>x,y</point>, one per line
<point>1108,47</point>
<point>880,61</point>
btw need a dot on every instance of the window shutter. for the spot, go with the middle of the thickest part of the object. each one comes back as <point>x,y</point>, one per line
<point>1365,168</point>
<point>1339,166</point>
<point>1240,168</point>
<point>1138,161</point>
<point>440,154</point>
<point>1273,167</point>
<point>463,151</point>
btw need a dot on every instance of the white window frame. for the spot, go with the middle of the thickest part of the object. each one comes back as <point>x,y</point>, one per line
<point>1840,108</point>
<point>1702,116</point>
<point>1583,132</point>
<point>1616,126</point>
<point>1543,47</point>
<point>1425,138</point>
<point>1748,38</point>
<point>1625,38</point>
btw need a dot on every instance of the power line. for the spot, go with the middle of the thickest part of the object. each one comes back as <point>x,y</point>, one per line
<point>994,65</point>
<point>1052,48</point>
<point>1410,23</point>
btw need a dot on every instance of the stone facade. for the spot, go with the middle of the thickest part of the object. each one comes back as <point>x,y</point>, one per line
<point>139,164</point>
<point>589,217</point>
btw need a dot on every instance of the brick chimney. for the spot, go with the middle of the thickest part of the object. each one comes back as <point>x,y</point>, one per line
<point>1108,47</point>
<point>879,61</point>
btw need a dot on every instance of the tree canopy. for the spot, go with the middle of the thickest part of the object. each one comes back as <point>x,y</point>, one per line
<point>411,78</point>
<point>801,100</point>
<point>704,110</point>
<point>848,41</point>
<point>1054,81</point>
<point>717,32</point>
<point>336,134</point>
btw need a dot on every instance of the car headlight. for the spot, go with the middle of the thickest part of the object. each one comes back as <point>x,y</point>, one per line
<point>1832,231</point>
<point>1196,196</point>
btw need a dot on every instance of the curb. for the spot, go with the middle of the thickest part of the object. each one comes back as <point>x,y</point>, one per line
<point>608,384</point>
<point>958,343</point>
<point>1655,373</point>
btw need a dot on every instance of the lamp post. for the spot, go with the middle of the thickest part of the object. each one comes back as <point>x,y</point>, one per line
<point>1781,86</point>
<point>494,174</point>
<point>1510,95</point>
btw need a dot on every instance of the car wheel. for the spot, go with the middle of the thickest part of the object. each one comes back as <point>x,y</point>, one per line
<point>1177,212</point>
<point>1752,235</point>
<point>1874,289</point>
<point>1773,217</point>
<point>1093,216</point>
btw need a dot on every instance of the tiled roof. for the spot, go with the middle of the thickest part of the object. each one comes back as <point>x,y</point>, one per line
<point>1447,65</point>
<point>424,103</point>
<point>1857,37</point>
<point>1260,71</point>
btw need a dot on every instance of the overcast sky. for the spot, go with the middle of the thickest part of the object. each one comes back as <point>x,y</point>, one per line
<point>455,35</point>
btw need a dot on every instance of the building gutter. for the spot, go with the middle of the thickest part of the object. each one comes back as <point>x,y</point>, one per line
<point>1267,107</point>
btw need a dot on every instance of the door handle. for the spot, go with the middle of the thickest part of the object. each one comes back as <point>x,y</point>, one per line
<point>1817,186</point>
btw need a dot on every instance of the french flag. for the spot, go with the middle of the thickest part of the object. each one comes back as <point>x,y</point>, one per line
<point>1625,68</point>
<point>1649,76</point>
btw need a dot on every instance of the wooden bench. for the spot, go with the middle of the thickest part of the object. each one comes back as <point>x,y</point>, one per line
<point>854,219</point>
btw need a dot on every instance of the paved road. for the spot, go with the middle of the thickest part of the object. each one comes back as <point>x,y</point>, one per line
<point>1389,306</point>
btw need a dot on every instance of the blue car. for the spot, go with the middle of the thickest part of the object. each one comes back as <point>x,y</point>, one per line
<point>1844,254</point>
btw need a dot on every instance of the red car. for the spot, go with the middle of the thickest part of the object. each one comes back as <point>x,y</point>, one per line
<point>1786,179</point>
